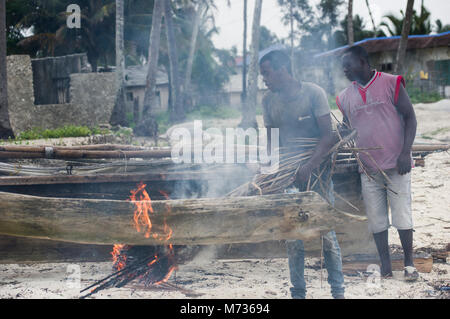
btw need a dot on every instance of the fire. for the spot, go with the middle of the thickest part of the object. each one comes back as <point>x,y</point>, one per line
<point>142,221</point>
<point>119,260</point>
<point>143,208</point>
<point>142,213</point>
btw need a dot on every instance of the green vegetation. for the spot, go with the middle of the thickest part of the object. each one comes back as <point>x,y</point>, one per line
<point>163,121</point>
<point>417,96</point>
<point>65,131</point>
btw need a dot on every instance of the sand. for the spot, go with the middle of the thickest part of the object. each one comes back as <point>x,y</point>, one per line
<point>207,277</point>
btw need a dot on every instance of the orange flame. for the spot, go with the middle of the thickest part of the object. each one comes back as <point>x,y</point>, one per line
<point>118,260</point>
<point>143,208</point>
<point>143,211</point>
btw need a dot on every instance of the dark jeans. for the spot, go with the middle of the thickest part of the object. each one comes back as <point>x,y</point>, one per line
<point>331,253</point>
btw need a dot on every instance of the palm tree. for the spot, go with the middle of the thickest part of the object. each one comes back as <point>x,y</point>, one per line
<point>153,54</point>
<point>5,125</point>
<point>249,107</point>
<point>350,36</point>
<point>441,28</point>
<point>198,14</point>
<point>371,18</point>
<point>177,113</point>
<point>291,35</point>
<point>401,52</point>
<point>244,57</point>
<point>53,37</point>
<point>118,115</point>
<point>359,31</point>
<point>420,24</point>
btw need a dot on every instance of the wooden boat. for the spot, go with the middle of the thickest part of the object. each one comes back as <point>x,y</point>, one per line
<point>93,210</point>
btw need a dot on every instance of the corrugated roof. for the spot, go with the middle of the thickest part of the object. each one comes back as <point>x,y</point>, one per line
<point>137,76</point>
<point>373,45</point>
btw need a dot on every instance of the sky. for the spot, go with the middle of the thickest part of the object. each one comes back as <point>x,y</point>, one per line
<point>229,20</point>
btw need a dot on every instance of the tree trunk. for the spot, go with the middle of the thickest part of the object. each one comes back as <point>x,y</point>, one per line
<point>350,36</point>
<point>153,54</point>
<point>194,35</point>
<point>203,221</point>
<point>401,52</point>
<point>176,107</point>
<point>291,20</point>
<point>118,116</point>
<point>5,125</point>
<point>244,58</point>
<point>249,107</point>
<point>371,18</point>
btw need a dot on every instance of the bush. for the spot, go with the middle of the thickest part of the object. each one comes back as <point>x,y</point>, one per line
<point>163,122</point>
<point>65,131</point>
<point>418,96</point>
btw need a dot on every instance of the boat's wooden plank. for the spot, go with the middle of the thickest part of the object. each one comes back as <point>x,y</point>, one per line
<point>31,250</point>
<point>116,178</point>
<point>202,221</point>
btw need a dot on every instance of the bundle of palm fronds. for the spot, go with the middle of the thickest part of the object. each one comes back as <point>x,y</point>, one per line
<point>291,160</point>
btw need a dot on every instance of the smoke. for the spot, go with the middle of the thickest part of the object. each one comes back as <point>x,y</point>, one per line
<point>204,256</point>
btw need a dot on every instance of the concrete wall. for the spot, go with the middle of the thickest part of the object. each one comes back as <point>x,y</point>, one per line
<point>91,94</point>
<point>416,59</point>
<point>139,93</point>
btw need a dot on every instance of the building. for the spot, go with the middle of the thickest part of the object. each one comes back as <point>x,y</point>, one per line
<point>135,82</point>
<point>233,88</point>
<point>52,92</point>
<point>427,61</point>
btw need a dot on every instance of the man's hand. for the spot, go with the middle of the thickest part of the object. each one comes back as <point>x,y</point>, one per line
<point>303,174</point>
<point>404,163</point>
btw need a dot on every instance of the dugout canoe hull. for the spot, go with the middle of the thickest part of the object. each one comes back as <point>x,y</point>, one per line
<point>205,221</point>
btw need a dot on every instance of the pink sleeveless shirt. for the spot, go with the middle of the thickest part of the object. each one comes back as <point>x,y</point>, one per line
<point>371,110</point>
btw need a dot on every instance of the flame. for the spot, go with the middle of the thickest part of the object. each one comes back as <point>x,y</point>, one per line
<point>119,260</point>
<point>143,211</point>
<point>166,278</point>
<point>142,221</point>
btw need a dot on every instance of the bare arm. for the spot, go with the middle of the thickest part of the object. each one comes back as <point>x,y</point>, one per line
<point>405,108</point>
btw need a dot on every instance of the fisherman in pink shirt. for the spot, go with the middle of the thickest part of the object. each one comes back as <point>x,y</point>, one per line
<point>377,106</point>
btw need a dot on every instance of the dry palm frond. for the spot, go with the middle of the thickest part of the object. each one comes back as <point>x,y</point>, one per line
<point>292,158</point>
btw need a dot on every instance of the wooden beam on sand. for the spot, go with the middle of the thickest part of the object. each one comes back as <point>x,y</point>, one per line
<point>422,262</point>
